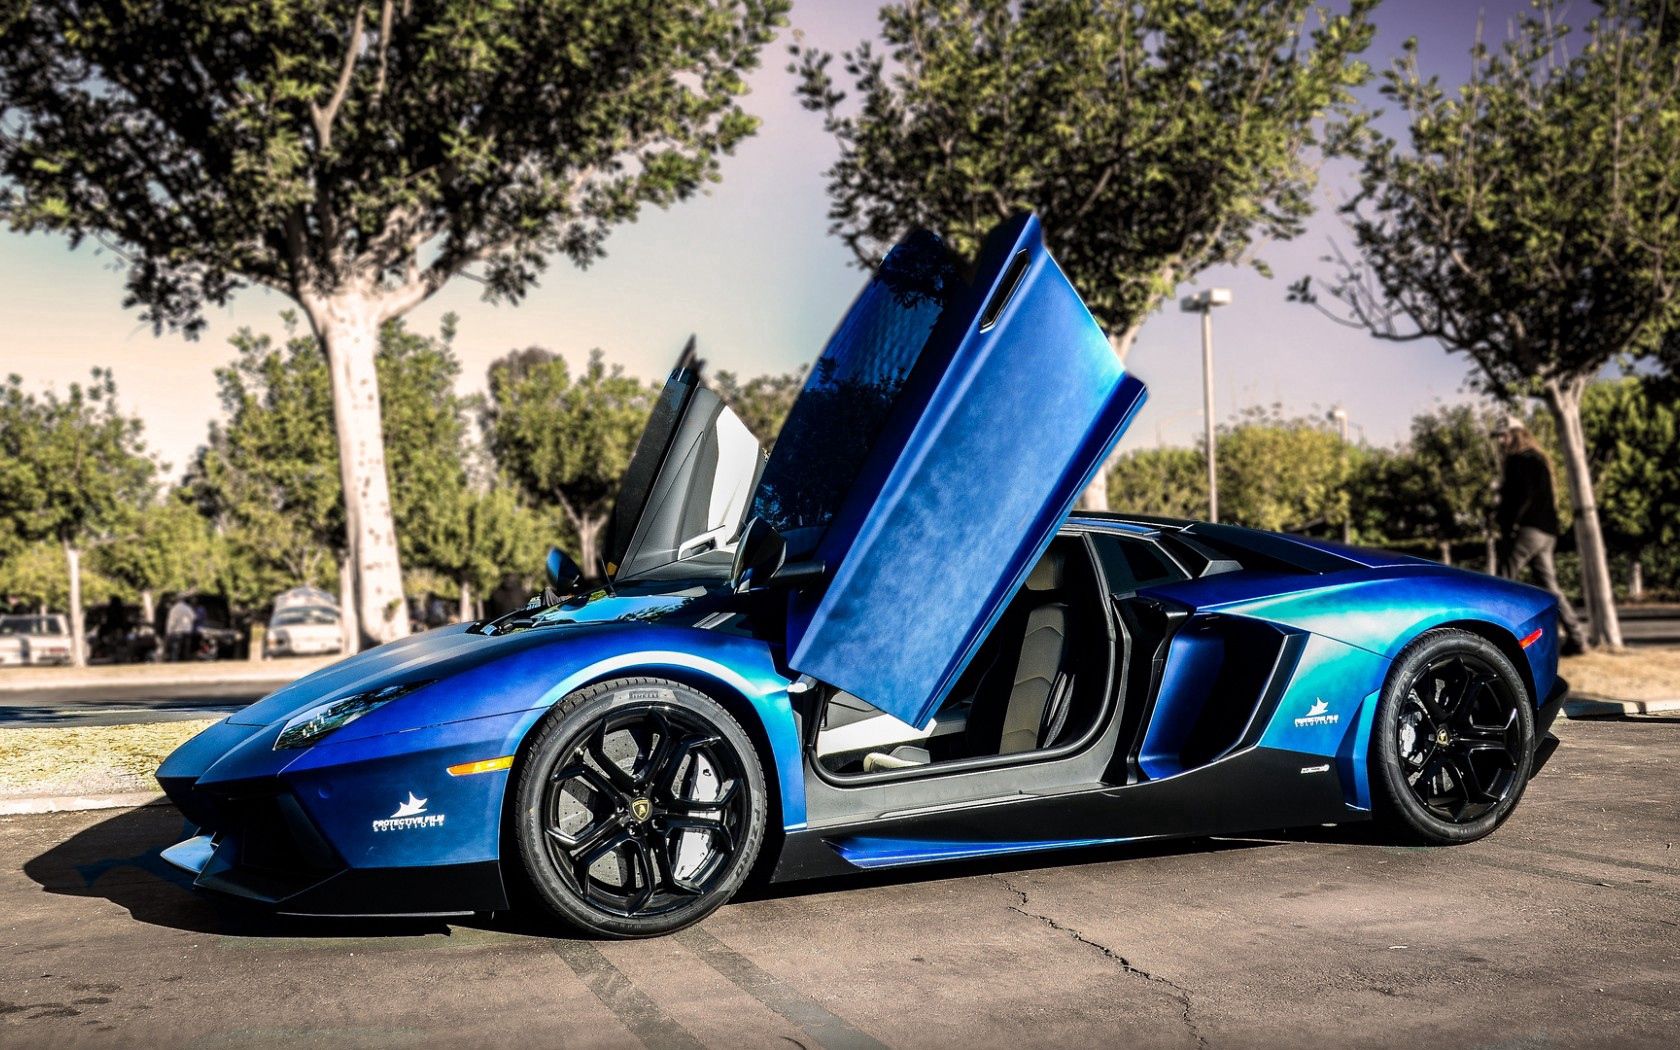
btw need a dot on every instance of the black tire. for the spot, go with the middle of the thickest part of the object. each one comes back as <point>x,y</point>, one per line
<point>1453,743</point>
<point>640,808</point>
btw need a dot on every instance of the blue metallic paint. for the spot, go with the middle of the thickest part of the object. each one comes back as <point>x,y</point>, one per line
<point>925,554</point>
<point>960,441</point>
<point>479,707</point>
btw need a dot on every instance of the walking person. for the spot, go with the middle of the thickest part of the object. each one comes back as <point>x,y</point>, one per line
<point>178,629</point>
<point>1528,522</point>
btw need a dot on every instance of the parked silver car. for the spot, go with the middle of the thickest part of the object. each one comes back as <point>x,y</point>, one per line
<point>304,630</point>
<point>35,639</point>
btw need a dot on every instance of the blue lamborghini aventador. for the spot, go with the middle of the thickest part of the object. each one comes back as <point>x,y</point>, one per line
<point>891,642</point>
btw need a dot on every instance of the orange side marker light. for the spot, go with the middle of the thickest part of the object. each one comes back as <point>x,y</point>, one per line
<point>488,765</point>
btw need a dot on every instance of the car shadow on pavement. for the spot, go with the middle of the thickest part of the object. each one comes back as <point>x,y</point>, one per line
<point>119,859</point>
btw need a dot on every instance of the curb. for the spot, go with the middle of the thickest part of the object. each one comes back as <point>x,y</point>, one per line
<point>1588,706</point>
<point>10,807</point>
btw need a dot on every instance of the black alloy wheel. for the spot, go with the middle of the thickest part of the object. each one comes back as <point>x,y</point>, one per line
<point>642,807</point>
<point>1453,746</point>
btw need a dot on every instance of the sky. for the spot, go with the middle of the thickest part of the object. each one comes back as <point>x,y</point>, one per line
<point>751,269</point>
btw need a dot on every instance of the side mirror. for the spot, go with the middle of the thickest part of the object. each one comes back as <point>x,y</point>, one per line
<point>560,572</point>
<point>759,553</point>
<point>761,560</point>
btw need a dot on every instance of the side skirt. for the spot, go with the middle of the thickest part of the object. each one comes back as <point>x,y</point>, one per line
<point>1258,789</point>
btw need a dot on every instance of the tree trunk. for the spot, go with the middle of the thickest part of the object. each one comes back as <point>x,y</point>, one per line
<point>148,607</point>
<point>589,540</point>
<point>1564,399</point>
<point>1095,496</point>
<point>1446,551</point>
<point>1492,555</point>
<point>348,622</point>
<point>349,326</point>
<point>466,602</point>
<point>78,630</point>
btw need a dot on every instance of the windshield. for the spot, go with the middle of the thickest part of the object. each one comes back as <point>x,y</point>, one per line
<point>854,385</point>
<point>307,614</point>
<point>36,625</point>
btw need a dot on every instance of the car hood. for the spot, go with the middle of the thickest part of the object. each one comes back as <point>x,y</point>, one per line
<point>432,655</point>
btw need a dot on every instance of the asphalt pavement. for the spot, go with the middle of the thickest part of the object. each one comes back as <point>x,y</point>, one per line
<point>1561,929</point>
<point>139,693</point>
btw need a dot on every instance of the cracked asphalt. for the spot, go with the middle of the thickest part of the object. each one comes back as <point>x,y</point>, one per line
<point>1561,929</point>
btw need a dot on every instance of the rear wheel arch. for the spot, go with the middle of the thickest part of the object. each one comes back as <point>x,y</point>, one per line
<point>1402,811</point>
<point>1502,639</point>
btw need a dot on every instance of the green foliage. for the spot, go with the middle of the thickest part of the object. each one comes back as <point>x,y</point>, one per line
<point>71,466</point>
<point>1529,219</point>
<point>1168,481</point>
<point>1284,474</point>
<point>1155,138</point>
<point>167,547</point>
<point>1440,486</point>
<point>762,402</point>
<point>566,439</point>
<point>35,577</point>
<point>316,145</point>
<point>269,474</point>
<point>1633,441</point>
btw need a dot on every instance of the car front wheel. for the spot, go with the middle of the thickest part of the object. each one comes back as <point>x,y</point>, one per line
<point>1453,744</point>
<point>641,807</point>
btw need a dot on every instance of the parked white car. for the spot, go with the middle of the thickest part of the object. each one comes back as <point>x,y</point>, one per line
<point>35,639</point>
<point>303,630</point>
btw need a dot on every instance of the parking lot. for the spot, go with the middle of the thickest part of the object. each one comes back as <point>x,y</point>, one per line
<point>1563,928</point>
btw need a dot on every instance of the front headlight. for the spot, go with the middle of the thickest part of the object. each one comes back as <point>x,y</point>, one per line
<point>308,728</point>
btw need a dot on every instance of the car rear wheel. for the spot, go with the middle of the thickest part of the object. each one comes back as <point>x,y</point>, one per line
<point>641,808</point>
<point>1453,744</point>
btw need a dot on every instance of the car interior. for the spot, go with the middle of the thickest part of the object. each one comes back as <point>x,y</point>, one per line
<point>1037,682</point>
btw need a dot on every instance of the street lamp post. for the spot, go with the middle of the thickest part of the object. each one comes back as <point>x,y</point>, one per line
<point>1203,303</point>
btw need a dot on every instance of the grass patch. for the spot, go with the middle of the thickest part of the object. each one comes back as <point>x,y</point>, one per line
<point>87,759</point>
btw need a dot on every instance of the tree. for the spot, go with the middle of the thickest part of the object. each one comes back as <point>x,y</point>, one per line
<point>1284,474</point>
<point>355,156</point>
<point>566,440</point>
<point>74,467</point>
<point>1529,223</point>
<point>1167,481</point>
<point>1154,138</point>
<point>269,473</point>
<point>34,575</point>
<point>762,402</point>
<point>166,546</point>
<point>1632,428</point>
<point>1440,486</point>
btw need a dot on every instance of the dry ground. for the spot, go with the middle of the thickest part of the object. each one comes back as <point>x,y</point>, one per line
<point>1635,674</point>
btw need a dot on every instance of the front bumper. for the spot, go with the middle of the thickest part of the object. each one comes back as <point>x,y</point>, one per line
<point>311,831</point>
<point>268,852</point>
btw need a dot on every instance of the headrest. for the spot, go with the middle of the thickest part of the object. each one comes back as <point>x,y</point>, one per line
<point>1047,574</point>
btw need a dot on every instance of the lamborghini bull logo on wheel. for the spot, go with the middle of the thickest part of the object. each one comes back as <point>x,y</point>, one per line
<point>892,641</point>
